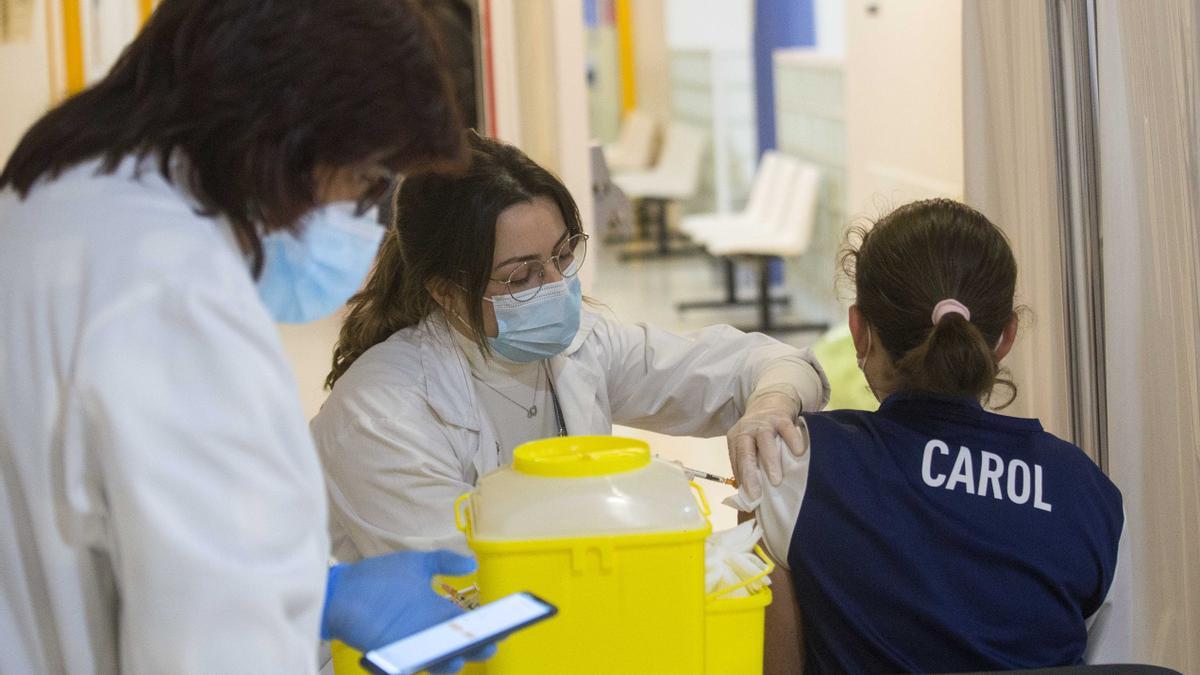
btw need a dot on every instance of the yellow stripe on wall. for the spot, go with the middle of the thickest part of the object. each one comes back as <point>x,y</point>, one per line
<point>72,26</point>
<point>145,8</point>
<point>624,16</point>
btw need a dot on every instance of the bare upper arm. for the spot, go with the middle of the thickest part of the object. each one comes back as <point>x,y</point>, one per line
<point>783,644</point>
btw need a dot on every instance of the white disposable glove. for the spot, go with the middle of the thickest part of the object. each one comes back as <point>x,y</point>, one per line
<point>753,441</point>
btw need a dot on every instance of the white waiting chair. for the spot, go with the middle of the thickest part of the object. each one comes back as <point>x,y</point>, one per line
<point>676,177</point>
<point>613,211</point>
<point>768,188</point>
<point>785,232</point>
<point>768,194</point>
<point>677,173</point>
<point>788,231</point>
<point>635,144</point>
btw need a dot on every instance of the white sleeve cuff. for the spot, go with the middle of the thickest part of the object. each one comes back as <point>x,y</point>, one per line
<point>779,506</point>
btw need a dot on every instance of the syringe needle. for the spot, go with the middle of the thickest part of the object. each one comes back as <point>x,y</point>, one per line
<point>696,473</point>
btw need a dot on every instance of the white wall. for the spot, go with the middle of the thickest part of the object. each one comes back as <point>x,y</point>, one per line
<point>25,80</point>
<point>541,91</point>
<point>108,25</point>
<point>651,61</point>
<point>904,102</point>
<point>831,26</point>
<point>538,112</point>
<point>810,116</point>
<point>604,91</point>
<point>712,86</point>
<point>710,24</point>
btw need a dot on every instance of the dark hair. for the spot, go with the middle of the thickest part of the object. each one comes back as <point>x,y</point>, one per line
<point>444,231</point>
<point>455,24</point>
<point>255,96</point>
<point>913,258</point>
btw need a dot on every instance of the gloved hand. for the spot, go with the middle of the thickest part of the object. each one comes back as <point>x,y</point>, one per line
<point>374,602</point>
<point>753,441</point>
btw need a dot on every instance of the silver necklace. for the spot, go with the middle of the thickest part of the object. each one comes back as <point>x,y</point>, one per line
<point>532,410</point>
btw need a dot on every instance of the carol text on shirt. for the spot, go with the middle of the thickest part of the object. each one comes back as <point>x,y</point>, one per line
<point>1013,482</point>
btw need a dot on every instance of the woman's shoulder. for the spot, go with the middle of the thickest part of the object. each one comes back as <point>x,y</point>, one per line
<point>385,380</point>
<point>396,360</point>
<point>1075,459</point>
<point>841,420</point>
<point>1043,443</point>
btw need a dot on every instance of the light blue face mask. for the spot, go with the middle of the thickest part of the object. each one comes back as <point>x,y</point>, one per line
<point>541,327</point>
<point>309,275</point>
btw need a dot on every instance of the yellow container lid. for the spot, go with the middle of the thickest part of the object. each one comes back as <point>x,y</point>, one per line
<point>581,456</point>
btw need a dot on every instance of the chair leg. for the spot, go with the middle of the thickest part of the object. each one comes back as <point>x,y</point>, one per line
<point>764,294</point>
<point>731,299</point>
<point>662,236</point>
<point>766,320</point>
<point>643,220</point>
<point>730,280</point>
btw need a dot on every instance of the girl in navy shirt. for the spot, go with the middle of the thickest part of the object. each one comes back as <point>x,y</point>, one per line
<point>934,535</point>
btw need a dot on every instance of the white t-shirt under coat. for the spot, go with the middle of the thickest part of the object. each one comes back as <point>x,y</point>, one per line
<point>507,391</point>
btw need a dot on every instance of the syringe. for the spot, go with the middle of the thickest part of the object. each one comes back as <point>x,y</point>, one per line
<point>697,473</point>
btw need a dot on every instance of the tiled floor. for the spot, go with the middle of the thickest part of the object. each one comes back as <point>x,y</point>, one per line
<point>634,291</point>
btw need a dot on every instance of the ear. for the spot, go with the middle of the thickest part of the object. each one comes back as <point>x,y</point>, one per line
<point>859,330</point>
<point>337,184</point>
<point>1007,338</point>
<point>442,291</point>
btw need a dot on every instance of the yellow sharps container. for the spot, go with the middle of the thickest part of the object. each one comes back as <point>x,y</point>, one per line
<point>612,538</point>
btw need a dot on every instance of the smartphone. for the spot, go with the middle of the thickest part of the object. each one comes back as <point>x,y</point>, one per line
<point>459,635</point>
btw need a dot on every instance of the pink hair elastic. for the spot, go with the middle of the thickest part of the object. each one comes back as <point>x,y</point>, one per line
<point>949,306</point>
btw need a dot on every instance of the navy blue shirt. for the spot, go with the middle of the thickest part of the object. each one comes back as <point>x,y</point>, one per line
<point>936,536</point>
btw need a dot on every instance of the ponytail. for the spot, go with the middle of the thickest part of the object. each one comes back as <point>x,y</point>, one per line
<point>953,359</point>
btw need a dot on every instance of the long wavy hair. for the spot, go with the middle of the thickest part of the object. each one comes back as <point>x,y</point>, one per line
<point>257,97</point>
<point>444,231</point>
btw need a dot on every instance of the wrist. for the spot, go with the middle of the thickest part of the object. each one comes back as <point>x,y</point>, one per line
<point>330,582</point>
<point>774,398</point>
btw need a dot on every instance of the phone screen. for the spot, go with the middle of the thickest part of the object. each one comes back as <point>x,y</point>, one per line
<point>459,635</point>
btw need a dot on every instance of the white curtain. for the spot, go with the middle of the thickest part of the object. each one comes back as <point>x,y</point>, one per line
<point>1012,177</point>
<point>1147,157</point>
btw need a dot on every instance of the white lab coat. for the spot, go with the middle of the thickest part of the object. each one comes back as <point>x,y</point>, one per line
<point>161,507</point>
<point>402,435</point>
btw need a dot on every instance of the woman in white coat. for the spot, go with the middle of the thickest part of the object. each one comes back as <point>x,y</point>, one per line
<point>162,508</point>
<point>468,341</point>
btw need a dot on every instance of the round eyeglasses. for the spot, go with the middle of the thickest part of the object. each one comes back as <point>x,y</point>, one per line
<point>525,280</point>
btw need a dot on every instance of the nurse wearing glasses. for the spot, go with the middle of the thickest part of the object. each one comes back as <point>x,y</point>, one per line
<point>468,341</point>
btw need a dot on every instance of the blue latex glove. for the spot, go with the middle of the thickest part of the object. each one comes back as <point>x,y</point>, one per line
<point>374,602</point>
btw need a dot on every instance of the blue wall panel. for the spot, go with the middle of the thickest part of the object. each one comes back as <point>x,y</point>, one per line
<point>777,24</point>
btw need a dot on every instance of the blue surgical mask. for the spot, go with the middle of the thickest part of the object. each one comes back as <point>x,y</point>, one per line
<point>541,327</point>
<point>309,275</point>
